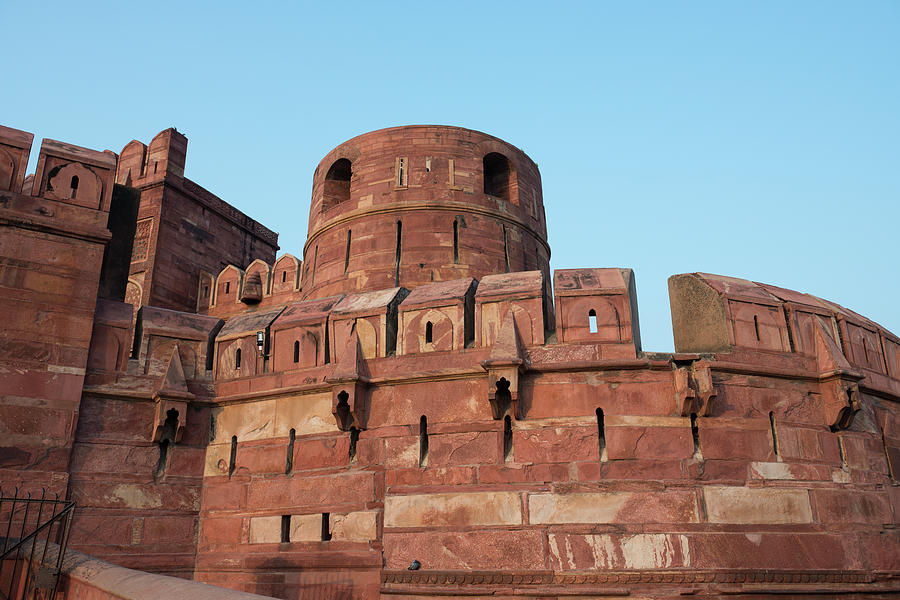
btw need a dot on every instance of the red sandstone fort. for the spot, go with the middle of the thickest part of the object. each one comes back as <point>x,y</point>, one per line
<point>419,390</point>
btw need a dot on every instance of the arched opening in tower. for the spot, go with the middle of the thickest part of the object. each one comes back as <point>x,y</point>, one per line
<point>337,184</point>
<point>496,175</point>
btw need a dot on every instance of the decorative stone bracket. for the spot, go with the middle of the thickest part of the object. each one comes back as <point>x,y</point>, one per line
<point>694,389</point>
<point>349,405</point>
<point>163,406</point>
<point>504,366</point>
<point>838,381</point>
<point>349,387</point>
<point>171,394</point>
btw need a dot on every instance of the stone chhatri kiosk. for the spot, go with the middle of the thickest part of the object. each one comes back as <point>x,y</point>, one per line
<point>420,387</point>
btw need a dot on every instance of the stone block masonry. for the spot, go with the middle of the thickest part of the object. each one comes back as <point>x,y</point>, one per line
<point>419,388</point>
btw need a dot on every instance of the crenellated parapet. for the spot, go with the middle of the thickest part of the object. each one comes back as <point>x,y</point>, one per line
<point>259,285</point>
<point>15,147</point>
<point>766,327</point>
<point>413,393</point>
<point>184,234</point>
<point>54,230</point>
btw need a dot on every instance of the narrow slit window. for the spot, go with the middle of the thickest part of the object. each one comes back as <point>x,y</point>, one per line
<point>312,275</point>
<point>232,457</point>
<point>695,434</point>
<point>423,441</point>
<point>505,249</point>
<point>592,321</point>
<point>227,287</point>
<point>455,241</point>
<point>347,252</point>
<point>296,351</point>
<point>601,435</point>
<point>74,185</point>
<point>401,172</point>
<point>891,465</point>
<point>507,438</point>
<point>397,253</point>
<point>429,332</point>
<point>289,459</point>
<point>756,327</point>
<point>842,454</point>
<point>237,358</point>
<point>283,276</point>
<point>285,529</point>
<point>428,164</point>
<point>774,436</point>
<point>326,529</point>
<point>354,440</point>
<point>205,291</point>
<point>163,458</point>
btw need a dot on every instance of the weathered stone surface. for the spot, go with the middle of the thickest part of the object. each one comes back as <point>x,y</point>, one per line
<point>500,550</point>
<point>757,505</point>
<point>764,464</point>
<point>459,509</point>
<point>614,507</point>
<point>359,526</point>
<point>614,552</point>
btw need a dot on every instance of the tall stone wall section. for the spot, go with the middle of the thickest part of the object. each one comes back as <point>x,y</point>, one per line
<point>182,230</point>
<point>597,468</point>
<point>323,425</point>
<point>53,231</point>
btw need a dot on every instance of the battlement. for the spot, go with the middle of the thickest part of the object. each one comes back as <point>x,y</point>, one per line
<point>412,392</point>
<point>65,173</point>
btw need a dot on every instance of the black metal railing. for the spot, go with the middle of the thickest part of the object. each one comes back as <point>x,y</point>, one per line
<point>33,537</point>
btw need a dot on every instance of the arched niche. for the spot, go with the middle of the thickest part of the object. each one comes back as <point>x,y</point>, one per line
<point>336,188</point>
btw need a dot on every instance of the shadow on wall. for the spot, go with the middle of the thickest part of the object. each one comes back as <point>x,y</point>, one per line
<point>308,585</point>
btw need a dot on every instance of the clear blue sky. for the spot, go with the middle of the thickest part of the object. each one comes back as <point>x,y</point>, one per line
<point>753,139</point>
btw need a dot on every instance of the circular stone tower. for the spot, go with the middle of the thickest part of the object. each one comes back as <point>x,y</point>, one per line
<point>407,206</point>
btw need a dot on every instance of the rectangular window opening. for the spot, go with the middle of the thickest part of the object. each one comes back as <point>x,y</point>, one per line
<point>285,529</point>
<point>326,527</point>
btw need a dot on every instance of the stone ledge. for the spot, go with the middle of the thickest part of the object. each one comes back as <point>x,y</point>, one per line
<point>80,571</point>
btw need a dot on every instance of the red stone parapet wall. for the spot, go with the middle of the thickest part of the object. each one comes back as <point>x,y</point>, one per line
<point>739,468</point>
<point>315,432</point>
<point>52,238</point>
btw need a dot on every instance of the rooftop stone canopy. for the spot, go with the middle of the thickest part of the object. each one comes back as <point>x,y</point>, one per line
<point>420,388</point>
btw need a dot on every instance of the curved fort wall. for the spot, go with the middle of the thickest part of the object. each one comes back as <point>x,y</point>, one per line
<point>300,441</point>
<point>413,205</point>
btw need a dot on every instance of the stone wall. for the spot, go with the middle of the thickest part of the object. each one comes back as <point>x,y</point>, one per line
<point>326,424</point>
<point>53,231</point>
<point>183,231</point>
